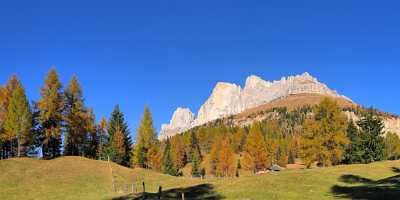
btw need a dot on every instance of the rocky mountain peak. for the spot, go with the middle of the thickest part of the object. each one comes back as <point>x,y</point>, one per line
<point>254,81</point>
<point>182,120</point>
<point>229,99</point>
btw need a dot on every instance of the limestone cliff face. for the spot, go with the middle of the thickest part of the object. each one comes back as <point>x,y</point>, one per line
<point>182,120</point>
<point>229,99</point>
<point>392,124</point>
<point>225,100</point>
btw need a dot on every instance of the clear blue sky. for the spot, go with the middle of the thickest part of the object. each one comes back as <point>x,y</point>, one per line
<point>167,54</point>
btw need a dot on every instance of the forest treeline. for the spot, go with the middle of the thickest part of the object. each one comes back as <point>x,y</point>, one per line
<point>60,124</point>
<point>314,136</point>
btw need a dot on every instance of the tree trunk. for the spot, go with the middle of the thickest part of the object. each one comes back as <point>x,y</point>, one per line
<point>19,147</point>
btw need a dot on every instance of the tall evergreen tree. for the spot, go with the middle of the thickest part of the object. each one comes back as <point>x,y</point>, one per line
<point>354,150</point>
<point>92,136</point>
<point>117,123</point>
<point>371,132</point>
<point>75,117</point>
<point>145,138</point>
<point>167,165</point>
<point>50,108</point>
<point>194,146</point>
<point>103,139</point>
<point>18,122</point>
<point>6,94</point>
<point>118,146</point>
<point>196,171</point>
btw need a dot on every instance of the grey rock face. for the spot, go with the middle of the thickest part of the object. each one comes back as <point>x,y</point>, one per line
<point>230,99</point>
<point>182,120</point>
<point>224,100</point>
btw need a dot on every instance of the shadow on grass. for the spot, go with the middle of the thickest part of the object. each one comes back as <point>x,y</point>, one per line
<point>198,192</point>
<point>367,189</point>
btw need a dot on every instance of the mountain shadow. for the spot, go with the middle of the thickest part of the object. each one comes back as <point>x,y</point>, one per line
<point>198,192</point>
<point>367,189</point>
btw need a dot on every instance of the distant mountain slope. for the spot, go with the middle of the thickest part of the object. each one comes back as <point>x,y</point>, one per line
<point>292,102</point>
<point>229,99</point>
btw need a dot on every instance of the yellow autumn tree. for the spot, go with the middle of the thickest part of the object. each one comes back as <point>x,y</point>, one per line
<point>255,156</point>
<point>178,152</point>
<point>154,157</point>
<point>324,138</point>
<point>226,160</point>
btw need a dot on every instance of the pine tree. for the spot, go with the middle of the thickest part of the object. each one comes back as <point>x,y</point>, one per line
<point>145,138</point>
<point>354,150</point>
<point>118,145</point>
<point>255,157</point>
<point>194,147</point>
<point>196,171</point>
<point>117,122</point>
<point>167,165</point>
<point>238,140</point>
<point>103,139</point>
<point>75,117</point>
<point>92,137</point>
<point>18,122</point>
<point>371,132</point>
<point>50,108</point>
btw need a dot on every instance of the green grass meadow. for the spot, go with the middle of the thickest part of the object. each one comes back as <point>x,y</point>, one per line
<point>80,178</point>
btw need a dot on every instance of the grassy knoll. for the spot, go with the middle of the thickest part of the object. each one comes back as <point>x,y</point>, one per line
<point>80,178</point>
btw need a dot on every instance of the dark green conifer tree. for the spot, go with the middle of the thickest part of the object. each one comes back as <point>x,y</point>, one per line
<point>371,132</point>
<point>117,123</point>
<point>354,150</point>
<point>167,165</point>
<point>196,171</point>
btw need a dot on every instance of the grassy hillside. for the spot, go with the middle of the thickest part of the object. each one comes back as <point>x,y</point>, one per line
<point>80,178</point>
<point>296,101</point>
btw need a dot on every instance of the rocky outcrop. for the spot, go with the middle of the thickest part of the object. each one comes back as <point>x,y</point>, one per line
<point>391,124</point>
<point>182,120</point>
<point>224,100</point>
<point>230,99</point>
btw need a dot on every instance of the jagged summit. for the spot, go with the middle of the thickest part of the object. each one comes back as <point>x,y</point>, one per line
<point>229,99</point>
<point>182,120</point>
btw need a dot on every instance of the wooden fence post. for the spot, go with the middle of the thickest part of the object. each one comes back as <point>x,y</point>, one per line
<point>183,196</point>
<point>159,192</point>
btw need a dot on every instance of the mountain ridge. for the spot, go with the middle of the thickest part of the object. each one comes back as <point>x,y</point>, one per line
<point>229,99</point>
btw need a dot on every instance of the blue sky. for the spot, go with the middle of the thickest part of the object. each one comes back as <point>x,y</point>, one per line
<point>166,54</point>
